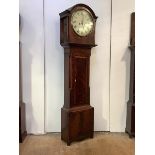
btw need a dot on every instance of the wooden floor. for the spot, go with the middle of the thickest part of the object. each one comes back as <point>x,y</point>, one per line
<point>102,144</point>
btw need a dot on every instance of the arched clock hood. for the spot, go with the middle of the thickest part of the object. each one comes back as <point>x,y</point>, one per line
<point>78,6</point>
<point>67,35</point>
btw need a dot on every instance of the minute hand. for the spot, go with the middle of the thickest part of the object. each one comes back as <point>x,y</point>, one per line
<point>82,20</point>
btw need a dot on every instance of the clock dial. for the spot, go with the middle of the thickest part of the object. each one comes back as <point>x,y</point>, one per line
<point>82,22</point>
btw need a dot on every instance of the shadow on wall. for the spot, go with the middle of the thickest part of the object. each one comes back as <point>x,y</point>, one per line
<point>26,53</point>
<point>126,59</point>
<point>97,96</point>
<point>60,53</point>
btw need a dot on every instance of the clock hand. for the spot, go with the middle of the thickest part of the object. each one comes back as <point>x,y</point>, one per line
<point>81,21</point>
<point>82,18</point>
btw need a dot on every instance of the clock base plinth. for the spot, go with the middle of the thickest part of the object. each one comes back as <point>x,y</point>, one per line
<point>22,136</point>
<point>22,122</point>
<point>130,121</point>
<point>77,124</point>
<point>131,134</point>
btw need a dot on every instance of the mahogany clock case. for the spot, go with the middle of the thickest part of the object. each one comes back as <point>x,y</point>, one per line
<point>132,33</point>
<point>67,33</point>
<point>22,113</point>
<point>130,120</point>
<point>77,116</point>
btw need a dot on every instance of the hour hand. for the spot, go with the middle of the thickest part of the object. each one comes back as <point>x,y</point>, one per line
<point>82,18</point>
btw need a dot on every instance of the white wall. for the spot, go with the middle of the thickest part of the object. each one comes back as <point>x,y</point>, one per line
<point>99,63</point>
<point>120,63</point>
<point>32,39</point>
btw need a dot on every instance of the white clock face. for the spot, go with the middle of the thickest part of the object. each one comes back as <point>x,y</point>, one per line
<point>82,22</point>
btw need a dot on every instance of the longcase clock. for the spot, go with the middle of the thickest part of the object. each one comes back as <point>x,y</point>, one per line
<point>77,36</point>
<point>22,112</point>
<point>130,120</point>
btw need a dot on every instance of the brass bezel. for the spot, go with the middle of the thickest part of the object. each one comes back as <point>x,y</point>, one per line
<point>83,9</point>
